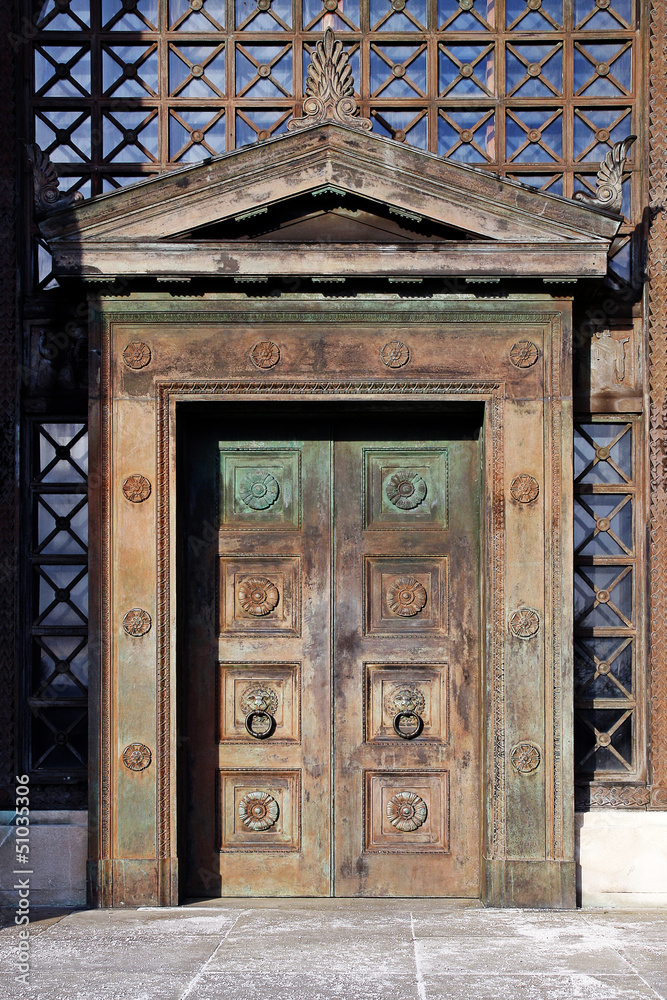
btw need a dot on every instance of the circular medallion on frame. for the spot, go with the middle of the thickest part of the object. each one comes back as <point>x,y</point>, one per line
<point>524,623</point>
<point>137,622</point>
<point>137,354</point>
<point>265,354</point>
<point>524,488</point>
<point>137,756</point>
<point>525,757</point>
<point>395,354</point>
<point>136,489</point>
<point>524,354</point>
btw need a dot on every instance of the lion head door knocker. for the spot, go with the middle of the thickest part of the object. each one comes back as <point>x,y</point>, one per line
<point>259,705</point>
<point>407,706</point>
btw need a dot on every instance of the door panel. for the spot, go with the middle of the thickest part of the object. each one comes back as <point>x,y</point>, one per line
<point>257,804</point>
<point>331,564</point>
<point>406,652</point>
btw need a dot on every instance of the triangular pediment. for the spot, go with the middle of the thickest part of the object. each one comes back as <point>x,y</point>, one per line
<point>328,186</point>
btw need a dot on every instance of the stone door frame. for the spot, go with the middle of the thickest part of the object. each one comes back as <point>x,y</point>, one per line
<point>120,876</point>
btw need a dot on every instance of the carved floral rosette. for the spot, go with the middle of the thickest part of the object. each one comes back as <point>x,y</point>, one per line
<point>258,811</point>
<point>137,756</point>
<point>524,623</point>
<point>524,354</point>
<point>406,489</point>
<point>137,622</point>
<point>406,597</point>
<point>258,489</point>
<point>525,757</point>
<point>395,354</point>
<point>137,354</point>
<point>136,489</point>
<point>258,596</point>
<point>406,811</point>
<point>524,488</point>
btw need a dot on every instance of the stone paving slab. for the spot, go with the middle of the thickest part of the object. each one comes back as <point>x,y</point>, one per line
<point>343,949</point>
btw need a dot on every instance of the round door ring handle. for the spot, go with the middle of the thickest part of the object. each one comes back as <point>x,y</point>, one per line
<point>249,719</point>
<point>415,732</point>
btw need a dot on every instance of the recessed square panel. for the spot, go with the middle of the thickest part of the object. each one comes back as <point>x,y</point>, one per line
<point>273,688</point>
<point>406,488</point>
<point>392,688</point>
<point>260,489</point>
<point>258,810</point>
<point>406,811</point>
<point>259,595</point>
<point>406,595</point>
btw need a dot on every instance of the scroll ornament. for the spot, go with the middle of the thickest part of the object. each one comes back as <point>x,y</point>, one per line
<point>330,89</point>
<point>609,180</point>
<point>46,184</point>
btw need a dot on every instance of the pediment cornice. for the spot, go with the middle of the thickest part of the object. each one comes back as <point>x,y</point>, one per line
<point>363,164</point>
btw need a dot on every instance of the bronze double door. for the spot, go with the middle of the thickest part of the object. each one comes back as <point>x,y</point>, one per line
<point>329,654</point>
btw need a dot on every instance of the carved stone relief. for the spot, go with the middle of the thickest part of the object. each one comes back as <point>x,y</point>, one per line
<point>265,354</point>
<point>525,623</point>
<point>136,489</point>
<point>525,757</point>
<point>137,622</point>
<point>524,489</point>
<point>395,354</point>
<point>524,354</point>
<point>137,756</point>
<point>137,354</point>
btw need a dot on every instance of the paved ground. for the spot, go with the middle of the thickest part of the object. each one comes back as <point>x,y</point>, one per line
<point>341,950</point>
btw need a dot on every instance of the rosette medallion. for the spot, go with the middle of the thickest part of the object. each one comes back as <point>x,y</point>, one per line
<point>406,597</point>
<point>258,596</point>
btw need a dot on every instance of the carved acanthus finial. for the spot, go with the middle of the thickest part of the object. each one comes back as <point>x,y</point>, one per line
<point>46,183</point>
<point>330,89</point>
<point>609,194</point>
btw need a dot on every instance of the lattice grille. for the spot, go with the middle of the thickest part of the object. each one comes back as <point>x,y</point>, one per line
<point>535,89</point>
<point>58,682</point>
<point>607,600</point>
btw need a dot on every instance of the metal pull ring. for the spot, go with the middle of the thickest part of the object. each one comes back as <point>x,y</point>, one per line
<point>414,733</point>
<point>263,734</point>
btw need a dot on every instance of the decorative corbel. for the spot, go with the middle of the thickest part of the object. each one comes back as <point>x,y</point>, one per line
<point>46,183</point>
<point>330,89</point>
<point>609,194</point>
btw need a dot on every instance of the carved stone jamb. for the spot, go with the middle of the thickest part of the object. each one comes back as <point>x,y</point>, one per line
<point>657,322</point>
<point>46,184</point>
<point>609,180</point>
<point>330,89</point>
